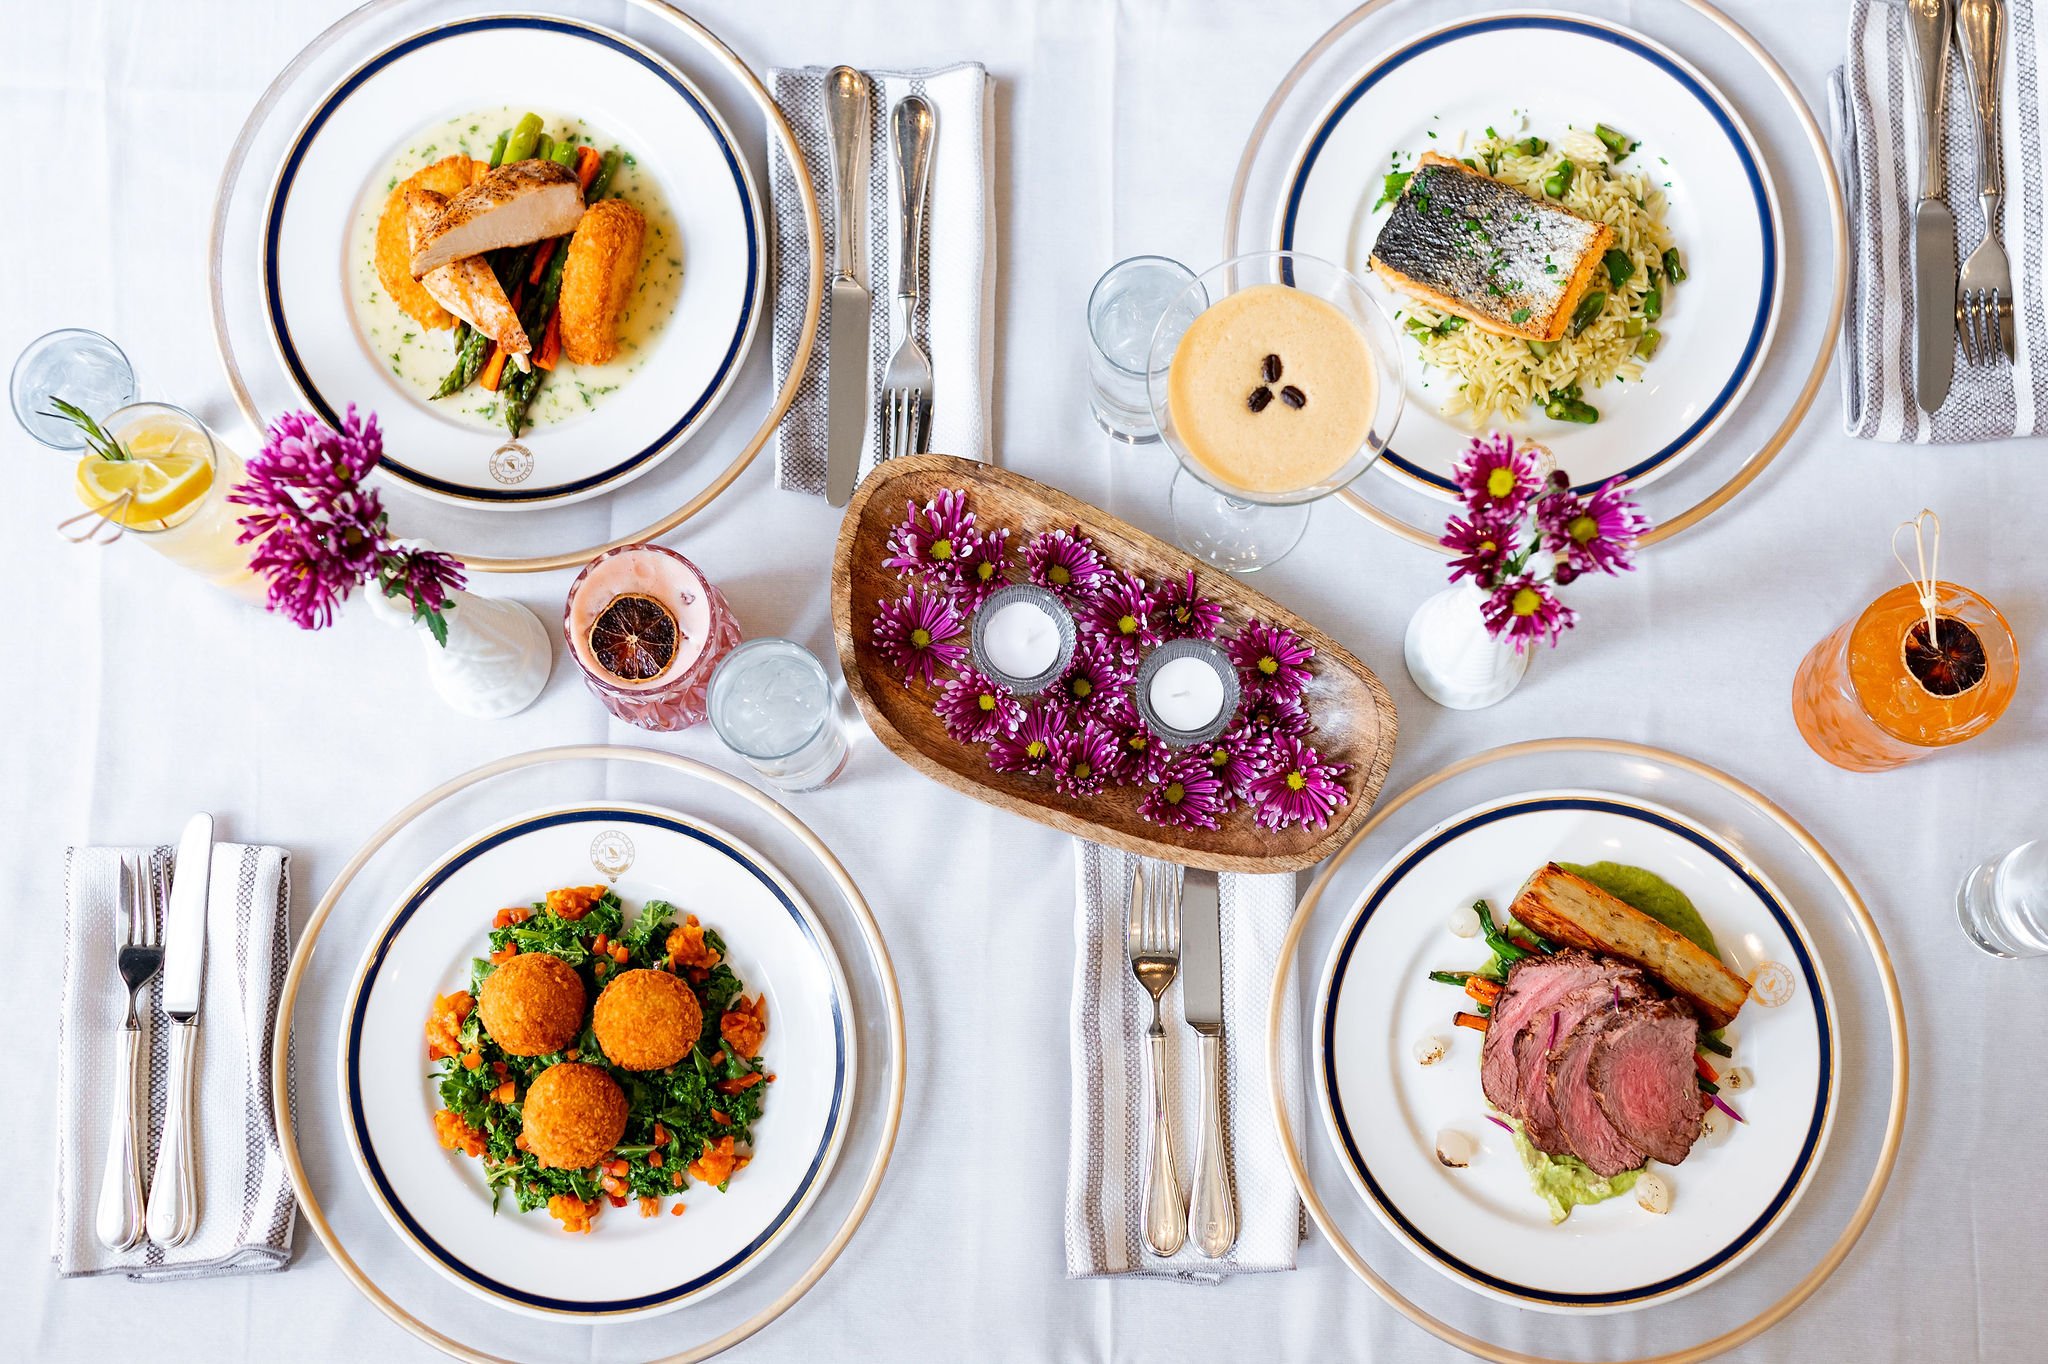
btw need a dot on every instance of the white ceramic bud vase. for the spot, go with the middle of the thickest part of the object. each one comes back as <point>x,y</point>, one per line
<point>497,658</point>
<point>1452,658</point>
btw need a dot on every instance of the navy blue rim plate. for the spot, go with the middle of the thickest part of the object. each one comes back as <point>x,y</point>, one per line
<point>353,1061</point>
<point>1464,1269</point>
<point>1768,285</point>
<point>328,410</point>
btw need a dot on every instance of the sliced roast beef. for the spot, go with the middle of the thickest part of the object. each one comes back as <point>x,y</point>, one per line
<point>1586,1128</point>
<point>1640,1071</point>
<point>1532,986</point>
<point>1547,1033</point>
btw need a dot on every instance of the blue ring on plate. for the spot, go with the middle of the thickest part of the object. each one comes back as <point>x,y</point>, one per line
<point>274,227</point>
<point>1751,349</point>
<point>361,1124</point>
<point>1813,991</point>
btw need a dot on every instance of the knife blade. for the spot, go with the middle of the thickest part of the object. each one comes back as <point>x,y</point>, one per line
<point>1201,952</point>
<point>1930,24</point>
<point>173,1211</point>
<point>1212,1208</point>
<point>849,113</point>
<point>185,925</point>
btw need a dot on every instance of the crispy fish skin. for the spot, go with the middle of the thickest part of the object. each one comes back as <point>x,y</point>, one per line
<point>449,175</point>
<point>597,279</point>
<point>513,205</point>
<point>1466,243</point>
<point>468,288</point>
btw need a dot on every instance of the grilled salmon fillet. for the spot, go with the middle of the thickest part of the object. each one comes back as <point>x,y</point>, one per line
<point>449,175</point>
<point>468,287</point>
<point>597,279</point>
<point>527,201</point>
<point>1466,243</point>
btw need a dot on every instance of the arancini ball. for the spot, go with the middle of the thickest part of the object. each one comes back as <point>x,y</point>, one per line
<point>647,1020</point>
<point>573,1115</point>
<point>532,1004</point>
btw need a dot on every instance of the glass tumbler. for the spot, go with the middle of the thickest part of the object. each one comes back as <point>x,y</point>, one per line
<point>772,703</point>
<point>647,629</point>
<point>81,367</point>
<point>1124,312</point>
<point>2003,904</point>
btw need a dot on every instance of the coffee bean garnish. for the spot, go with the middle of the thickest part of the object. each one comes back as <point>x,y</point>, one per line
<point>1271,369</point>
<point>1259,400</point>
<point>1294,397</point>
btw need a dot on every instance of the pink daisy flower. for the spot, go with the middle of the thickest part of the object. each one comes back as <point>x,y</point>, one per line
<point>1523,610</point>
<point>1300,787</point>
<point>974,709</point>
<point>1029,747</point>
<point>1272,660</point>
<point>1084,758</point>
<point>1239,757</point>
<point>1497,476</point>
<point>1120,613</point>
<point>1188,795</point>
<point>981,568</point>
<point>1273,716</point>
<point>1142,756</point>
<point>933,540</point>
<point>1065,562</point>
<point>1480,545</point>
<point>916,632</point>
<point>1598,531</point>
<point>1097,682</point>
<point>1181,613</point>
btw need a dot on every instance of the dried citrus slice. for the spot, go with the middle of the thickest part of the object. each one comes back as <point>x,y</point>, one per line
<point>634,638</point>
<point>1952,664</point>
<point>144,489</point>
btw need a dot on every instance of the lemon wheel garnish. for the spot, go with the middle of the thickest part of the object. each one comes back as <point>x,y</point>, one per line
<point>144,489</point>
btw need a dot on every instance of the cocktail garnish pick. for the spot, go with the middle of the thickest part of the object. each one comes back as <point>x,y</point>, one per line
<point>1928,558</point>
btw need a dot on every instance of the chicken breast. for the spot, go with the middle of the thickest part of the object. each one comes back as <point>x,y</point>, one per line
<point>597,280</point>
<point>449,175</point>
<point>467,288</point>
<point>527,201</point>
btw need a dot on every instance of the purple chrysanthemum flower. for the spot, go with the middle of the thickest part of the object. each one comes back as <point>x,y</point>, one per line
<point>1187,796</point>
<point>1084,758</point>
<point>976,709</point>
<point>933,540</point>
<point>1301,787</point>
<point>1097,682</point>
<point>1240,756</point>
<point>1141,755</point>
<point>1065,562</point>
<point>981,568</point>
<point>1496,475</point>
<point>426,578</point>
<point>1272,660</point>
<point>1598,531</point>
<point>1120,613</point>
<point>915,633</point>
<point>1273,716</point>
<point>1182,613</point>
<point>1523,610</point>
<point>1029,747</point>
<point>1480,545</point>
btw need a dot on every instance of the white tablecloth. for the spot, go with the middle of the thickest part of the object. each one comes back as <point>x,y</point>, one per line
<point>130,695</point>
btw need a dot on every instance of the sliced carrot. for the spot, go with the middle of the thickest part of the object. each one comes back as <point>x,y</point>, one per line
<point>676,1211</point>
<point>541,256</point>
<point>1474,1021</point>
<point>587,162</point>
<point>502,919</point>
<point>654,1159</point>
<point>1482,989</point>
<point>494,369</point>
<point>660,1135</point>
<point>550,342</point>
<point>1706,1069</point>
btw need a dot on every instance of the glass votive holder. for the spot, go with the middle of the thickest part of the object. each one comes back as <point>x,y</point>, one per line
<point>1187,692</point>
<point>1023,637</point>
<point>772,703</point>
<point>648,629</point>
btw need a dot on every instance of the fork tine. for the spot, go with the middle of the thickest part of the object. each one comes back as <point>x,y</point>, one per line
<point>152,904</point>
<point>1965,317</point>
<point>1134,913</point>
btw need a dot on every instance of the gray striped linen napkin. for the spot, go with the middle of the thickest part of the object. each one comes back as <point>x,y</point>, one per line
<point>246,1203</point>
<point>1106,1127</point>
<point>1876,127</point>
<point>958,297</point>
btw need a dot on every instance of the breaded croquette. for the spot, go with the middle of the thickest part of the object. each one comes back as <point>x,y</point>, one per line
<point>597,280</point>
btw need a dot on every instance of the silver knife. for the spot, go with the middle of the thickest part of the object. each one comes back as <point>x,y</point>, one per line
<point>849,111</point>
<point>173,1189</point>
<point>1212,1210</point>
<point>1929,24</point>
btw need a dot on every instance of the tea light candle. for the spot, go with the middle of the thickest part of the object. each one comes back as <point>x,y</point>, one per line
<point>1023,637</point>
<point>1187,691</point>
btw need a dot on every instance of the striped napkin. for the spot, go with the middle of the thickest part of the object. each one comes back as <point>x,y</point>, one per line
<point>1106,1128</point>
<point>1876,127</point>
<point>245,1196</point>
<point>958,298</point>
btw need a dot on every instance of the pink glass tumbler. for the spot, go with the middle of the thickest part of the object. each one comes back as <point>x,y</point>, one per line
<point>647,629</point>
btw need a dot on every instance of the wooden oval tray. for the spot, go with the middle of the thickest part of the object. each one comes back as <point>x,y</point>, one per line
<point>1354,716</point>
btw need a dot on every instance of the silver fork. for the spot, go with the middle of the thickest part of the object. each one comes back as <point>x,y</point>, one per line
<point>1984,291</point>
<point>1153,935</point>
<point>118,1220</point>
<point>907,387</point>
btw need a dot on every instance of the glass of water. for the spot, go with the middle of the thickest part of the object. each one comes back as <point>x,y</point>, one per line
<point>771,703</point>
<point>81,367</point>
<point>2003,904</point>
<point>1125,311</point>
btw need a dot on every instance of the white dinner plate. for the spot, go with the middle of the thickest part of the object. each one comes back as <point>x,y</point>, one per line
<point>1482,1225</point>
<point>627,1265</point>
<point>339,168</point>
<point>1544,71</point>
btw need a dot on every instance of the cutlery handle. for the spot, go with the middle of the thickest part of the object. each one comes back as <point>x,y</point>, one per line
<point>173,1192</point>
<point>913,125</point>
<point>849,106</point>
<point>1166,1207</point>
<point>1981,24</point>
<point>1928,25</point>
<point>118,1219</point>
<point>1212,1216</point>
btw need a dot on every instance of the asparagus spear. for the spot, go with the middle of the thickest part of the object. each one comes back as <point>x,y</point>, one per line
<point>470,353</point>
<point>602,184</point>
<point>543,148</point>
<point>498,149</point>
<point>525,133</point>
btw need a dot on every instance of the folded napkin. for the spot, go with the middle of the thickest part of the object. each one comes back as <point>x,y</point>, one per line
<point>245,1196</point>
<point>1106,1129</point>
<point>1876,126</point>
<point>958,295</point>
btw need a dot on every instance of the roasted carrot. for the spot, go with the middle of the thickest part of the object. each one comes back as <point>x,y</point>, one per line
<point>587,162</point>
<point>1484,990</point>
<point>550,342</point>
<point>494,369</point>
<point>1706,1070</point>
<point>1475,1022</point>
<point>541,255</point>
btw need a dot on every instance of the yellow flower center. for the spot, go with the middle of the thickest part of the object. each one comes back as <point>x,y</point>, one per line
<point>1582,528</point>
<point>1295,781</point>
<point>1269,665</point>
<point>984,571</point>
<point>1059,575</point>
<point>1175,793</point>
<point>1082,686</point>
<point>1488,547</point>
<point>942,549</point>
<point>920,637</point>
<point>1500,482</point>
<point>1127,625</point>
<point>1182,615</point>
<point>1083,771</point>
<point>985,701</point>
<point>1219,758</point>
<point>1526,602</point>
<point>1138,741</point>
<point>1035,749</point>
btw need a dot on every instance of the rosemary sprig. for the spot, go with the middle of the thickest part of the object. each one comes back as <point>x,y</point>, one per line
<point>96,438</point>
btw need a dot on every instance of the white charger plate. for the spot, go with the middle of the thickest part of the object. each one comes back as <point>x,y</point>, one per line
<point>338,163</point>
<point>1556,70</point>
<point>628,1265</point>
<point>1482,1225</point>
